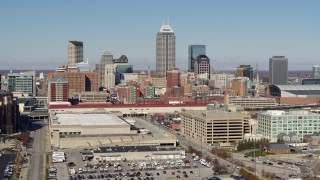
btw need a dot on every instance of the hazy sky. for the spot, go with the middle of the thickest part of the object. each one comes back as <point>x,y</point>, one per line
<point>34,34</point>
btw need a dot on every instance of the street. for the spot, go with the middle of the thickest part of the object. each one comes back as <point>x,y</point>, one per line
<point>39,149</point>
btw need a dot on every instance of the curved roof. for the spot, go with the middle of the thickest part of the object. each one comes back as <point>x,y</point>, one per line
<point>298,87</point>
<point>107,53</point>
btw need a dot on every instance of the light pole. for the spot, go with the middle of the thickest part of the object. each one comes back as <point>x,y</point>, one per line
<point>254,157</point>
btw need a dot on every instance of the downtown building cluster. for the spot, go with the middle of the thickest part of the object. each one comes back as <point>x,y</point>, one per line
<point>113,82</point>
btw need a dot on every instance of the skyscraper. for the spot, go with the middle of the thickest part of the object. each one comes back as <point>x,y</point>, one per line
<point>202,67</point>
<point>245,71</point>
<point>106,58</point>
<point>315,72</point>
<point>75,53</point>
<point>165,50</point>
<point>278,70</point>
<point>193,52</point>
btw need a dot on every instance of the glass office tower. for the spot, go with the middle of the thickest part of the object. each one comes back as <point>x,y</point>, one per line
<point>193,52</point>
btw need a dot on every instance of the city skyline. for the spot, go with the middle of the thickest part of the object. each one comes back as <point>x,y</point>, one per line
<point>235,33</point>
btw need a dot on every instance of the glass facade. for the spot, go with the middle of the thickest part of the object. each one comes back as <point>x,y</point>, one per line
<point>120,70</point>
<point>24,83</point>
<point>193,52</point>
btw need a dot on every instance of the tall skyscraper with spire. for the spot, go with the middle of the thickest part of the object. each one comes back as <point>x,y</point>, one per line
<point>165,50</point>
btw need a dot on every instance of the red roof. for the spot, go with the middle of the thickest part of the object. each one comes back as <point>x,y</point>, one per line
<point>100,105</point>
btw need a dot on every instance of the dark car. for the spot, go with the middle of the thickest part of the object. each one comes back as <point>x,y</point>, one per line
<point>71,164</point>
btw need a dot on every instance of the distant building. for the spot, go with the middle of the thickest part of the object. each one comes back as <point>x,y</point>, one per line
<point>123,59</point>
<point>165,50</point>
<point>159,82</point>
<point>214,126</point>
<point>202,66</point>
<point>130,77</point>
<point>79,81</point>
<point>278,70</point>
<point>92,97</point>
<point>75,53</point>
<point>24,82</point>
<point>9,114</point>
<point>315,72</point>
<point>110,76</point>
<point>106,58</point>
<point>245,71</point>
<point>222,80</point>
<point>294,94</point>
<point>120,70</point>
<point>58,89</point>
<point>240,85</point>
<point>193,52</point>
<point>253,102</point>
<point>173,78</point>
<point>299,123</point>
<point>83,66</point>
<point>310,82</point>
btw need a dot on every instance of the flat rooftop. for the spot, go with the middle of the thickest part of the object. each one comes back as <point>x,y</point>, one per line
<point>87,119</point>
<point>113,149</point>
<point>215,114</point>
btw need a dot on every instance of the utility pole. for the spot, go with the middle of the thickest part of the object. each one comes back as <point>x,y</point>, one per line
<point>254,156</point>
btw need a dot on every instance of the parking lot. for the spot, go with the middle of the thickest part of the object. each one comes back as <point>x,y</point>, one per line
<point>4,162</point>
<point>153,169</point>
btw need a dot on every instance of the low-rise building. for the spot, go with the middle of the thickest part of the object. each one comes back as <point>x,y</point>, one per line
<point>253,102</point>
<point>275,148</point>
<point>131,153</point>
<point>272,123</point>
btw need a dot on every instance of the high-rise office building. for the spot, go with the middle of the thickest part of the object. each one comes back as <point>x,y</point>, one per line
<point>106,58</point>
<point>202,67</point>
<point>165,50</point>
<point>110,76</point>
<point>245,71</point>
<point>120,70</point>
<point>193,52</point>
<point>24,82</point>
<point>315,72</point>
<point>75,53</point>
<point>278,70</point>
<point>9,113</point>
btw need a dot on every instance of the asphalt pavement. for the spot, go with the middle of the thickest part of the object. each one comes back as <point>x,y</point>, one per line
<point>38,151</point>
<point>4,159</point>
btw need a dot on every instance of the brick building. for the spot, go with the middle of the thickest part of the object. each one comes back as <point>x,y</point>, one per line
<point>79,81</point>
